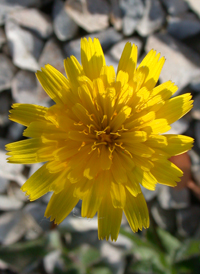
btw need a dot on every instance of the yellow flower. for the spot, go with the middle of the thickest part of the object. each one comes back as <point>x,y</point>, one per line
<point>102,138</point>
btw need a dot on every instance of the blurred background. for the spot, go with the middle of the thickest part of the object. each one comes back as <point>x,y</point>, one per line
<point>36,32</point>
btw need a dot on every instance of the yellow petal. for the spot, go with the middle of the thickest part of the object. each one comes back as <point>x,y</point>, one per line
<point>175,108</point>
<point>61,204</point>
<point>29,151</point>
<point>107,75</point>
<point>92,57</point>
<point>178,144</point>
<point>154,66</point>
<point>136,212</point>
<point>73,70</point>
<point>91,201</point>
<point>27,113</point>
<point>118,172</point>
<point>145,178</point>
<point>128,60</point>
<point>165,90</point>
<point>39,183</point>
<point>118,195</point>
<point>109,220</point>
<point>54,83</point>
<point>166,172</point>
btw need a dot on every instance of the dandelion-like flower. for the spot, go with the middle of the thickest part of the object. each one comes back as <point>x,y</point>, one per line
<point>102,138</point>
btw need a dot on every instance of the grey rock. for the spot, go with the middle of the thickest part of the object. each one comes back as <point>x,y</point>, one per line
<point>2,37</point>
<point>188,220</point>
<point>110,61</point>
<point>37,210</point>
<point>116,14</point>
<point>179,127</point>
<point>195,112</point>
<point>24,89</point>
<point>171,198</point>
<point>33,20</point>
<point>9,203</point>
<point>15,192</point>
<point>194,5</point>
<point>90,15</point>
<point>11,227</point>
<point>15,131</point>
<point>7,71</point>
<point>50,261</point>
<point>117,49</point>
<point>195,165</point>
<point>175,7</point>
<point>7,6</point>
<point>195,84</point>
<point>148,194</point>
<point>197,132</point>
<point>153,18</point>
<point>166,219</point>
<point>10,171</point>
<point>183,26</point>
<point>133,11</point>
<point>107,38</point>
<point>25,47</point>
<point>3,184</point>
<point>182,64</point>
<point>64,26</point>
<point>52,55</point>
<point>5,102</point>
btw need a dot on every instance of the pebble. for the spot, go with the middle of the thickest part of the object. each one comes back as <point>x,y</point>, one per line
<point>183,26</point>
<point>153,18</point>
<point>90,15</point>
<point>9,203</point>
<point>2,37</point>
<point>5,102</point>
<point>107,38</point>
<point>182,63</point>
<point>52,55</point>
<point>194,5</point>
<point>175,7</point>
<point>7,6</point>
<point>117,49</point>
<point>148,194</point>
<point>116,15</point>
<point>34,20</point>
<point>25,47</point>
<point>195,112</point>
<point>188,220</point>
<point>7,71</point>
<point>179,127</point>
<point>37,210</point>
<point>24,88</point>
<point>10,171</point>
<point>64,27</point>
<point>133,11</point>
<point>171,198</point>
<point>166,219</point>
<point>195,84</point>
<point>197,132</point>
<point>195,167</point>
<point>15,131</point>
<point>3,184</point>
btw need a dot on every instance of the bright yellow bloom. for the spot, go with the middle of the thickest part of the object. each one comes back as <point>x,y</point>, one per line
<point>102,138</point>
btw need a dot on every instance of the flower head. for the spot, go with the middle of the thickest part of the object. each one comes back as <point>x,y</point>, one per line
<point>102,138</point>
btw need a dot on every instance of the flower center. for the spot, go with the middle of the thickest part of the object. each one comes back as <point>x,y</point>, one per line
<point>105,138</point>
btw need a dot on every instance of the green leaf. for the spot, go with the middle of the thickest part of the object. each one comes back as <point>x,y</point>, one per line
<point>20,255</point>
<point>189,248</point>
<point>169,242</point>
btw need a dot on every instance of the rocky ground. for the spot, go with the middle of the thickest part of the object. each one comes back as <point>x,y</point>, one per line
<point>36,32</point>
